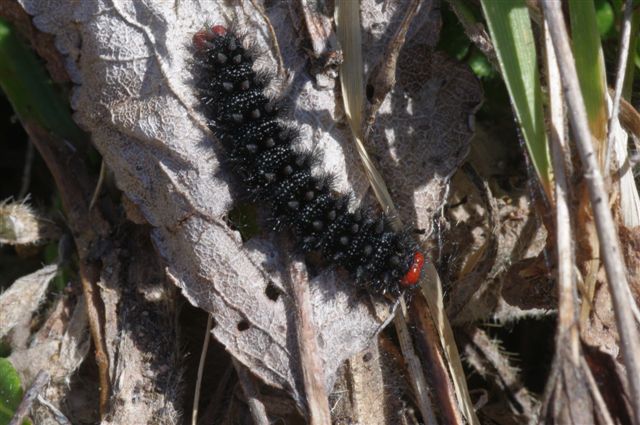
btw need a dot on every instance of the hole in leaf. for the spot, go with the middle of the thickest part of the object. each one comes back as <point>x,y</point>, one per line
<point>369,92</point>
<point>272,292</point>
<point>243,325</point>
<point>243,217</point>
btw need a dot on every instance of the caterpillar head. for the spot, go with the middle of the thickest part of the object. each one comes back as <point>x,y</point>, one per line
<point>413,275</point>
<point>202,39</point>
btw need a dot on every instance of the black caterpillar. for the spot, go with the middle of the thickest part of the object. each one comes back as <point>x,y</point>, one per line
<point>262,151</point>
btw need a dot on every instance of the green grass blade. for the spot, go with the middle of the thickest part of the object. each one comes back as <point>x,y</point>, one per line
<point>510,28</point>
<point>30,90</point>
<point>587,50</point>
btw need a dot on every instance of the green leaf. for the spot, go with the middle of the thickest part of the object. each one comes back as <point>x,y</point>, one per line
<point>453,40</point>
<point>510,28</point>
<point>605,18</point>
<point>10,391</point>
<point>30,90</point>
<point>587,51</point>
<point>480,64</point>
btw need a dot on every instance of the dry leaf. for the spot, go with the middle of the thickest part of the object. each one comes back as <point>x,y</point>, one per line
<point>131,61</point>
<point>20,302</point>
<point>136,99</point>
<point>59,346</point>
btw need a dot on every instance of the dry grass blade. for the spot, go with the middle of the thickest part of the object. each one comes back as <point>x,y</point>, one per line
<point>203,357</point>
<point>351,78</point>
<point>26,171</point>
<point>617,161</point>
<point>99,184</point>
<point>625,38</point>
<point>610,246</point>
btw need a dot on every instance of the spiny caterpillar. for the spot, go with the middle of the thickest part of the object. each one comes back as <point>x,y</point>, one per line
<point>263,151</point>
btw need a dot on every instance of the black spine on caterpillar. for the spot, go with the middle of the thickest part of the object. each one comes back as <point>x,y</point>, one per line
<point>262,149</point>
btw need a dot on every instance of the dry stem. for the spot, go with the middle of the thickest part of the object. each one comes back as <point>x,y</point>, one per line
<point>425,333</point>
<point>310,362</point>
<point>609,244</point>
<point>413,365</point>
<point>40,381</point>
<point>567,293</point>
<point>251,393</point>
<point>88,227</point>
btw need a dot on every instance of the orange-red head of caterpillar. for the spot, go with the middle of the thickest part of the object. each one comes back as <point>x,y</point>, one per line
<point>413,275</point>
<point>203,37</point>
